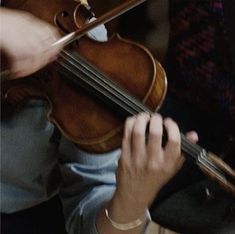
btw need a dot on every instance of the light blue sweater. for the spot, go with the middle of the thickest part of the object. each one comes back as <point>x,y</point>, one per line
<point>33,169</point>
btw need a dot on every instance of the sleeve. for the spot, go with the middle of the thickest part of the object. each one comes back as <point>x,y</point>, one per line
<point>88,183</point>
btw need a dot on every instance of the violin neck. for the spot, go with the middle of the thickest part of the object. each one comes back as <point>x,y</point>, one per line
<point>209,163</point>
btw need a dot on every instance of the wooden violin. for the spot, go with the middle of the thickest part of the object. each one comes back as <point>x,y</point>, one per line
<point>119,73</point>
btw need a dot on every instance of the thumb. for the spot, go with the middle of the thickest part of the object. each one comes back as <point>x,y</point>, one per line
<point>192,136</point>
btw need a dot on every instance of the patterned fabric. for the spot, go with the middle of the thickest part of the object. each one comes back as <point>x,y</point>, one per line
<point>198,65</point>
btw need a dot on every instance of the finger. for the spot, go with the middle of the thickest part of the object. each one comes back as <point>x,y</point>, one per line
<point>23,67</point>
<point>139,135</point>
<point>192,136</point>
<point>172,147</point>
<point>51,35</point>
<point>44,32</point>
<point>45,35</point>
<point>126,141</point>
<point>154,145</point>
<point>180,162</point>
<point>33,56</point>
<point>46,52</point>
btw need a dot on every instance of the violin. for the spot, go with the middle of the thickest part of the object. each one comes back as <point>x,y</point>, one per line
<point>100,82</point>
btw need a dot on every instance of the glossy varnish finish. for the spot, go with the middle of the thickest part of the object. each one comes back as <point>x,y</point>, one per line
<point>82,118</point>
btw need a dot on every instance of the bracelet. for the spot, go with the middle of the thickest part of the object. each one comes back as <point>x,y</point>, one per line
<point>125,226</point>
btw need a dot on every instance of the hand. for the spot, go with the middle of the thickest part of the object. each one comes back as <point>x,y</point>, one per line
<point>27,41</point>
<point>145,167</point>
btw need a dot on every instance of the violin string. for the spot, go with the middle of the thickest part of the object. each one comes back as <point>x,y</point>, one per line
<point>106,92</point>
<point>108,84</point>
<point>197,147</point>
<point>191,147</point>
<point>89,82</point>
<point>188,147</point>
<point>103,84</point>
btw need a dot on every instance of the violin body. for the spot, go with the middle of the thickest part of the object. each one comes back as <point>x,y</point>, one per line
<point>92,89</point>
<point>83,119</point>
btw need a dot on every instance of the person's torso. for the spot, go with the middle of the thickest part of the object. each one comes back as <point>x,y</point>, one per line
<point>29,170</point>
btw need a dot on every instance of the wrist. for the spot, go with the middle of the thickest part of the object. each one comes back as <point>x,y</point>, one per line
<point>128,200</point>
<point>137,223</point>
<point>122,210</point>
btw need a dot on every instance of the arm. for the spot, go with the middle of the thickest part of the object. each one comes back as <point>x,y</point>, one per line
<point>26,41</point>
<point>91,184</point>
<point>88,183</point>
<point>144,168</point>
